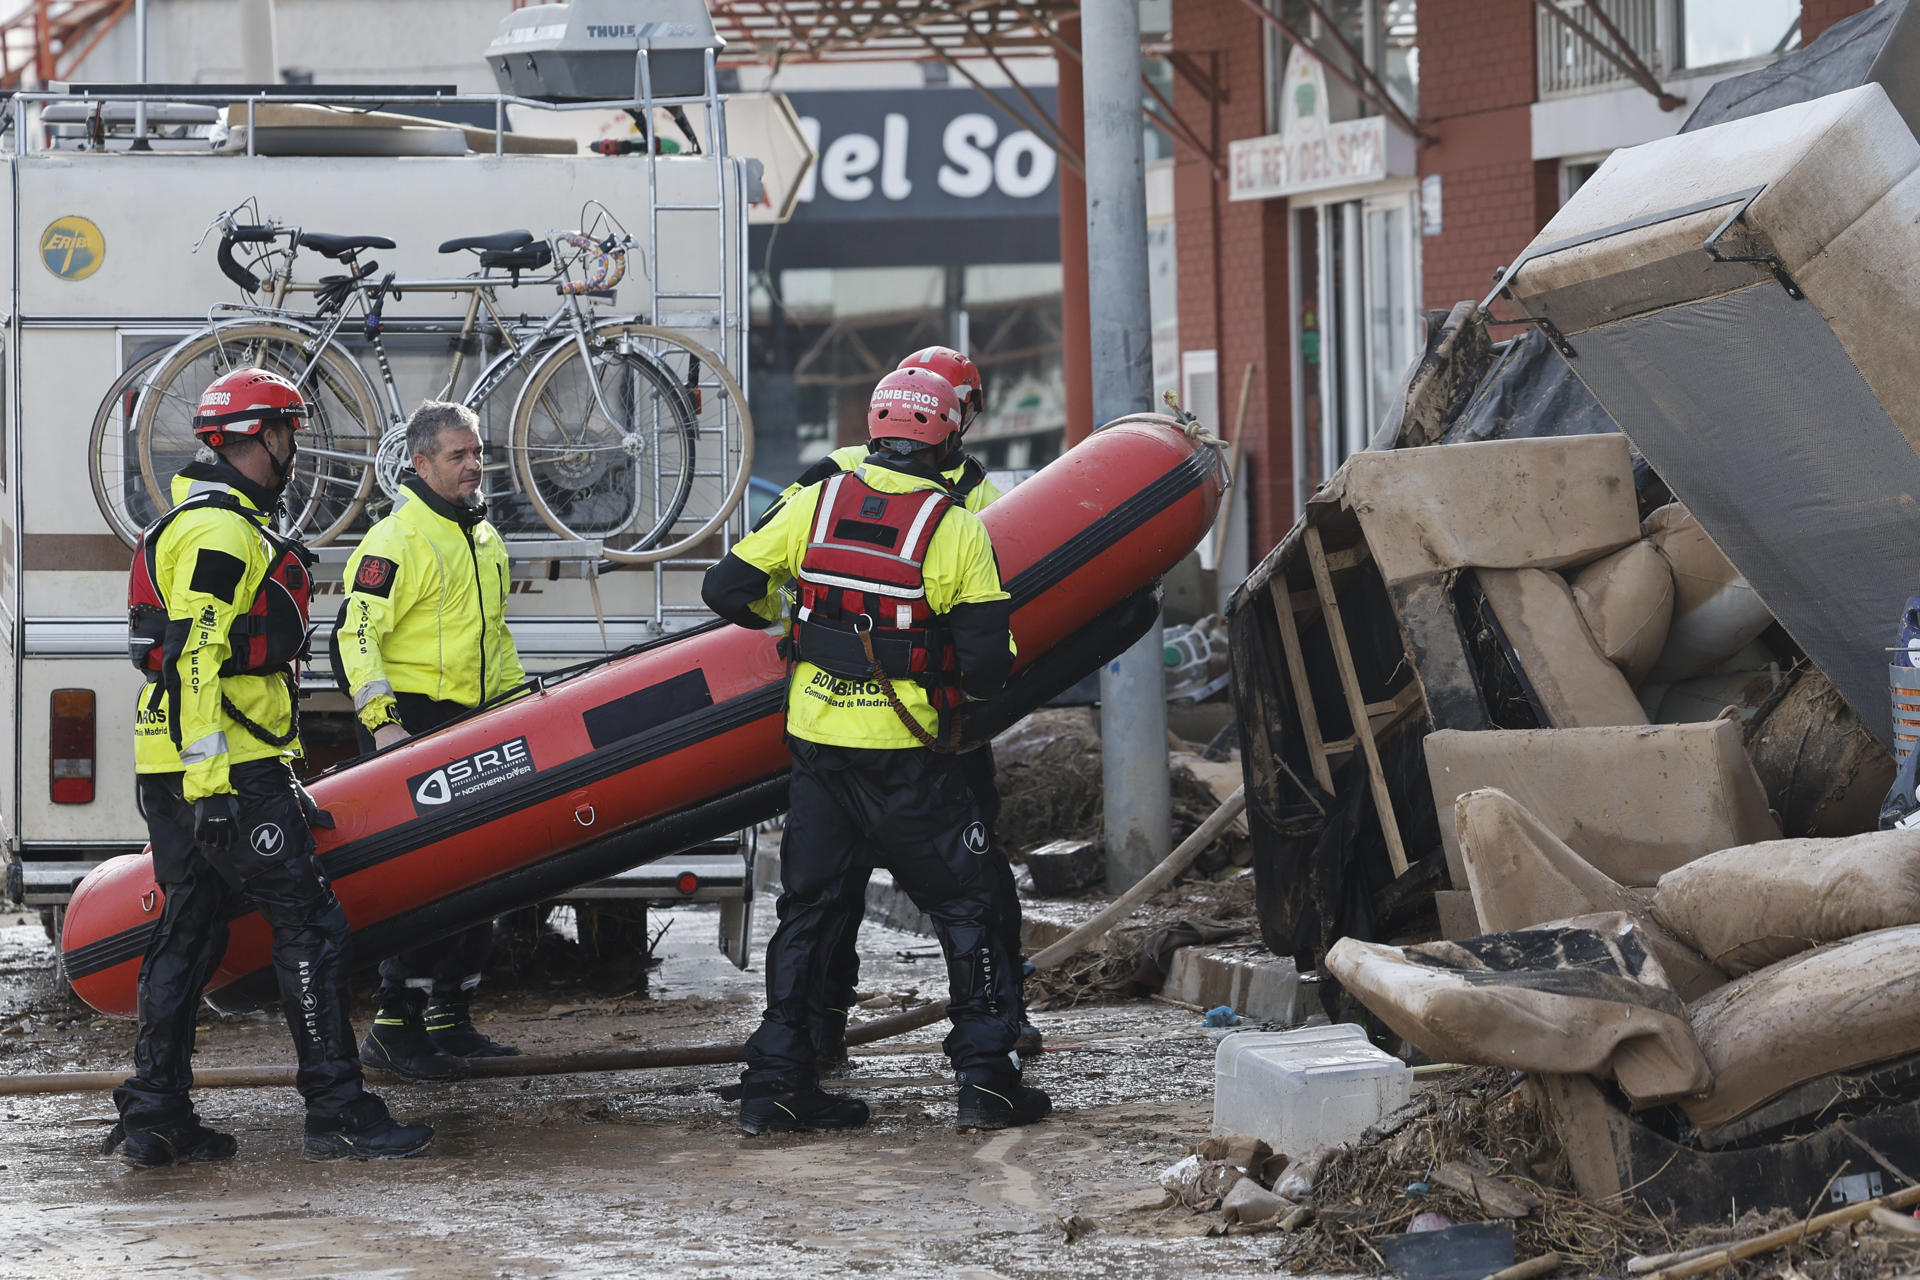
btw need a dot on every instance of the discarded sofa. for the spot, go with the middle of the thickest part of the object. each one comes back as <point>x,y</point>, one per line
<point>1740,299</point>
<point>1635,802</point>
<point>1522,876</point>
<point>1568,999</point>
<point>1461,589</point>
<point>1748,907</point>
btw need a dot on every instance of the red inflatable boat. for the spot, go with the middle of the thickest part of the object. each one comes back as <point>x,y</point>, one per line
<point>652,751</point>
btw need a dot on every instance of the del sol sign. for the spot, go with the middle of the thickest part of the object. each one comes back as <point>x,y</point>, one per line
<point>1312,153</point>
<point>921,153</point>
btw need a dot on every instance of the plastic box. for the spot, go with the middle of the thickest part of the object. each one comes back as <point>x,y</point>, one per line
<point>1296,1090</point>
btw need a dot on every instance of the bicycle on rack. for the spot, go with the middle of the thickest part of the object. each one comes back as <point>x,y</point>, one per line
<point>604,426</point>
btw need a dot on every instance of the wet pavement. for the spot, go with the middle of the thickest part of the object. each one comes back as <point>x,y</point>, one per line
<point>635,1173</point>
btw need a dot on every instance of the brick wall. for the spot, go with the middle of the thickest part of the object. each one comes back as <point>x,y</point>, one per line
<point>1251,324</point>
<point>1817,15</point>
<point>1476,85</point>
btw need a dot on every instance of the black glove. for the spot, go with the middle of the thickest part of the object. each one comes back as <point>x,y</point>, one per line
<point>316,816</point>
<point>216,822</point>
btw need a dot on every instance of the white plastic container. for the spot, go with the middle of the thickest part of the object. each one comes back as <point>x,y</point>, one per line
<point>1296,1090</point>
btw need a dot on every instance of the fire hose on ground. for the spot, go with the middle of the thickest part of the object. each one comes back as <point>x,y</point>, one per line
<point>550,1064</point>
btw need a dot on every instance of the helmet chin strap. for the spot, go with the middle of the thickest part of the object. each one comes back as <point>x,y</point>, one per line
<point>282,468</point>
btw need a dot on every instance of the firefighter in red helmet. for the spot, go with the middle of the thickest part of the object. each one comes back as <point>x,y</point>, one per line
<point>966,478</point>
<point>217,614</point>
<point>900,618</point>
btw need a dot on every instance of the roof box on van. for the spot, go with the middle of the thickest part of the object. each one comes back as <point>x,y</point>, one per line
<point>587,50</point>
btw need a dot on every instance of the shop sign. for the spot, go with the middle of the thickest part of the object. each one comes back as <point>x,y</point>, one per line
<point>1310,153</point>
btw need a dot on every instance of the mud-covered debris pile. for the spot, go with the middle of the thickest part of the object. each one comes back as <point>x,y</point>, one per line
<point>1133,960</point>
<point>1050,788</point>
<point>1489,1123</point>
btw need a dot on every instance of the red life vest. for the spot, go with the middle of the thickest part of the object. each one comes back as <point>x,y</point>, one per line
<point>270,637</point>
<point>863,571</point>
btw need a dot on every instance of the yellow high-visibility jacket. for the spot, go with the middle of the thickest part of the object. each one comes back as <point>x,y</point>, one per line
<point>976,499</point>
<point>959,569</point>
<point>194,567</point>
<point>426,610</point>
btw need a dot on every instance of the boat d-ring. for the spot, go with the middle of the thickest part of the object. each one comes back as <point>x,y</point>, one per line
<point>584,815</point>
<point>147,900</point>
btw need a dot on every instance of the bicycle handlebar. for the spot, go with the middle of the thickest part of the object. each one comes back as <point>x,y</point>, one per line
<point>243,233</point>
<point>603,264</point>
<point>231,268</point>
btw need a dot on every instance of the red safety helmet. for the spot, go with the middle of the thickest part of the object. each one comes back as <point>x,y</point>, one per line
<point>957,369</point>
<point>246,402</point>
<point>913,404</point>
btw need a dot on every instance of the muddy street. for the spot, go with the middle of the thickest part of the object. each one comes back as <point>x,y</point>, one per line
<point>631,1173</point>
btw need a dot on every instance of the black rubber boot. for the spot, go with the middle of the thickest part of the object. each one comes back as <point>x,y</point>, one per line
<point>363,1131</point>
<point>800,1111</point>
<point>450,1027</point>
<point>398,1043</point>
<point>997,1100</point>
<point>184,1142</point>
<point>1030,1041</point>
<point>830,1043</point>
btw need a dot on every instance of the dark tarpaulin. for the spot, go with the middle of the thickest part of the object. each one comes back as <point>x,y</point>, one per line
<point>1752,410</point>
<point>1466,387</point>
<point>1528,391</point>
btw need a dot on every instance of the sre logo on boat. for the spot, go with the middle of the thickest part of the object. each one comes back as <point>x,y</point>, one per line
<point>470,775</point>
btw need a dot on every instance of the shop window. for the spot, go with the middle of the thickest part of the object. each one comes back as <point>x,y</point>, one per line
<point>1385,32</point>
<point>1714,32</point>
<point>1574,175</point>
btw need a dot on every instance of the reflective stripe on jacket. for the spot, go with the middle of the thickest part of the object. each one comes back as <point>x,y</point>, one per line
<point>958,570</point>
<point>209,564</point>
<point>426,610</point>
<point>968,481</point>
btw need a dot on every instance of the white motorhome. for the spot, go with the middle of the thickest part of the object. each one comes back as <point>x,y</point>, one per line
<point>110,189</point>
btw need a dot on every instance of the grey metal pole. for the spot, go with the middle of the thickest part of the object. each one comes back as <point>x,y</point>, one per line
<point>1133,707</point>
<point>140,73</point>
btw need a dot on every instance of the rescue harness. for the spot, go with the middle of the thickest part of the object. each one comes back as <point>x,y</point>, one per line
<point>862,612</point>
<point>270,638</point>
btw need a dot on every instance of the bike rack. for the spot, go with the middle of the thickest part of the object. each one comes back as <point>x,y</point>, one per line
<point>713,315</point>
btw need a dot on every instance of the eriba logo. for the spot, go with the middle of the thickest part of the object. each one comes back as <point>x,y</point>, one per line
<point>471,774</point>
<point>72,248</point>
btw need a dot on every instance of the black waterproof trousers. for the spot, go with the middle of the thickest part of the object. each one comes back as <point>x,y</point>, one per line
<point>272,868</point>
<point>843,965</point>
<point>911,812</point>
<point>450,968</point>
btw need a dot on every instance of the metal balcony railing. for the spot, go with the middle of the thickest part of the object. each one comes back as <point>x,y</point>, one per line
<point>1569,65</point>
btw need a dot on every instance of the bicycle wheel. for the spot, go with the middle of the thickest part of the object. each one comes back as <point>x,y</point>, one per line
<point>334,470</point>
<point>613,467</point>
<point>113,459</point>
